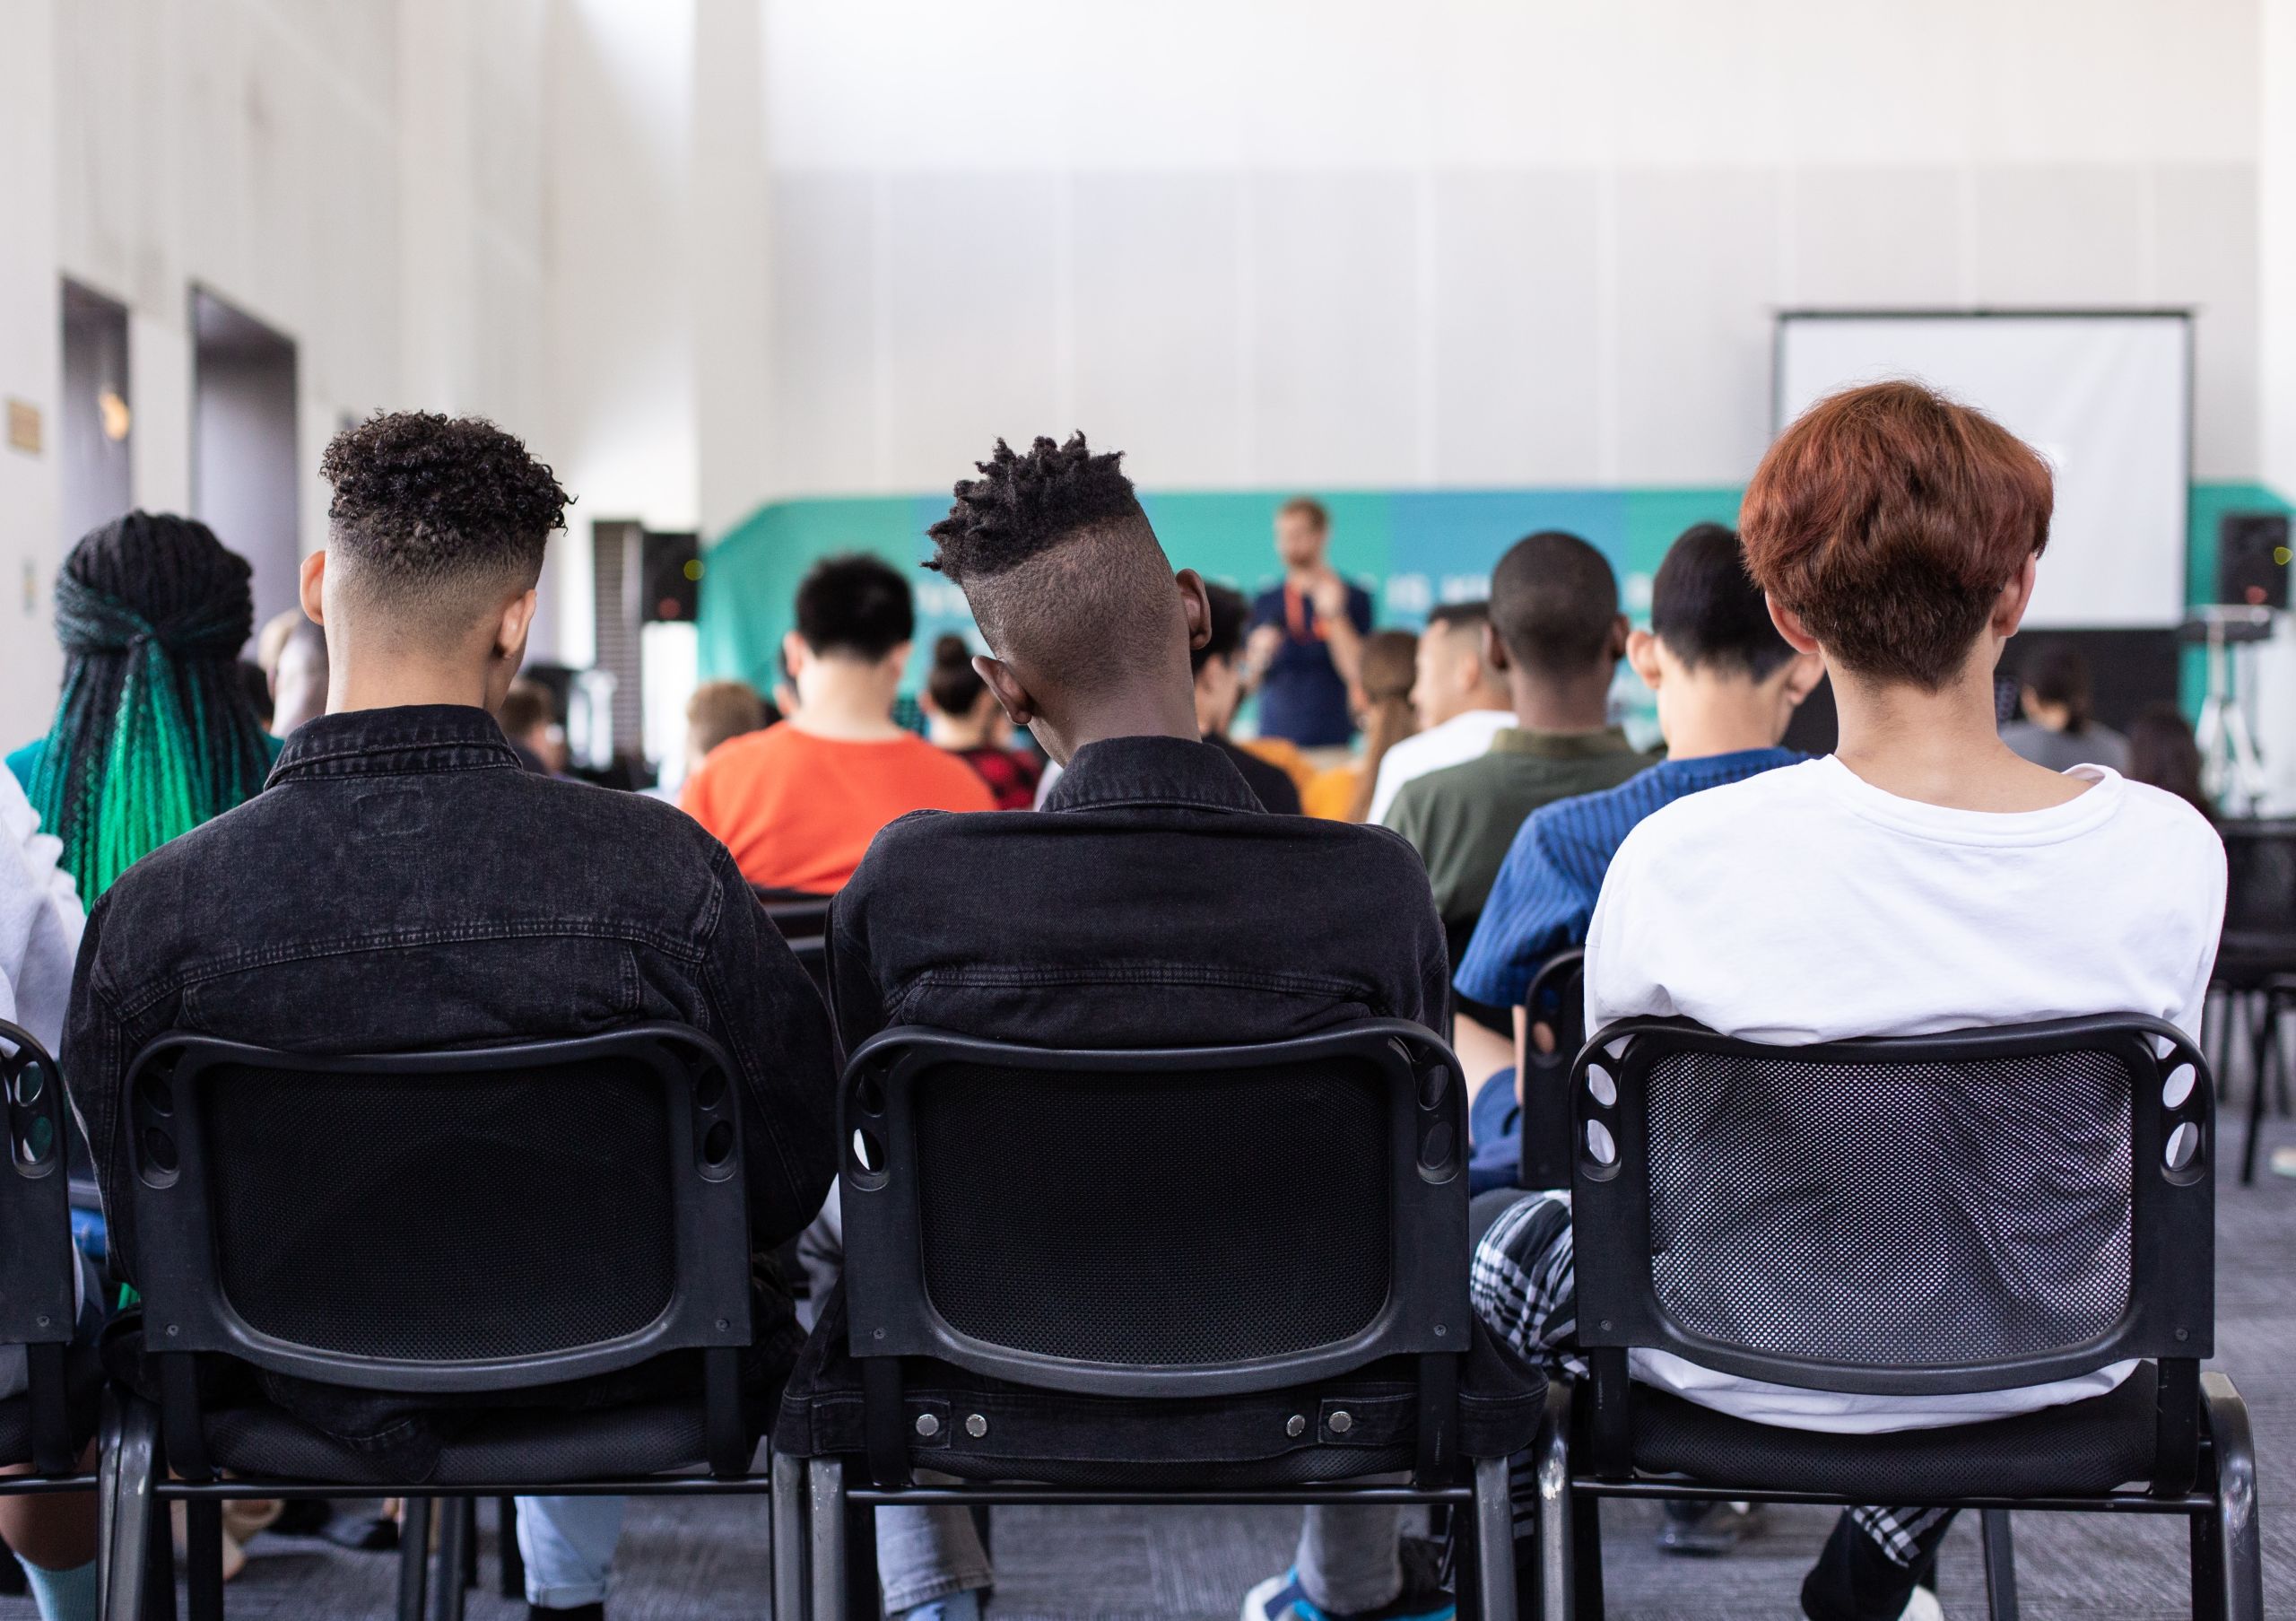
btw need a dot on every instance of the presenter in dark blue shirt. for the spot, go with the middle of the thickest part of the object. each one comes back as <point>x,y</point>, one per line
<point>1308,635</point>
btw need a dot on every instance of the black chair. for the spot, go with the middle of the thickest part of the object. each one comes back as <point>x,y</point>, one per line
<point>804,921</point>
<point>1556,998</point>
<point>1935,1214</point>
<point>2256,961</point>
<point>49,1424</point>
<point>1222,1275</point>
<point>465,1225</point>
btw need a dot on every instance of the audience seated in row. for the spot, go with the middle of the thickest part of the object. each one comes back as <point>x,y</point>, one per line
<point>1459,695</point>
<point>2057,726</point>
<point>962,716</point>
<point>717,711</point>
<point>1219,670</point>
<point>1380,697</point>
<point>443,895</point>
<point>798,802</point>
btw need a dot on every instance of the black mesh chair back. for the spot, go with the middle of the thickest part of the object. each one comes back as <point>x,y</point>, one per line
<point>1929,1215</point>
<point>1177,1222</point>
<point>2259,900</point>
<point>454,1221</point>
<point>36,1263</point>
<point>1556,998</point>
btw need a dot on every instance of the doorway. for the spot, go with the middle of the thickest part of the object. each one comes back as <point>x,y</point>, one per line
<point>243,439</point>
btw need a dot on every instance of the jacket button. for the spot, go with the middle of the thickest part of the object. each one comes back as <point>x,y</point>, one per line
<point>1295,1425</point>
<point>975,1426</point>
<point>1341,1423</point>
<point>927,1426</point>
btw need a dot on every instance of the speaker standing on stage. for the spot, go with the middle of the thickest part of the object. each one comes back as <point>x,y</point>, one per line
<point>1306,635</point>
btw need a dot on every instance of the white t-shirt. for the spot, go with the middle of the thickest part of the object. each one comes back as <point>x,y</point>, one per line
<point>1459,739</point>
<point>1807,905</point>
<point>41,920</point>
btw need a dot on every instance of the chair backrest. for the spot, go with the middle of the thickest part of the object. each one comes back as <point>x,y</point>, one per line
<point>1556,998</point>
<point>798,915</point>
<point>1975,1210</point>
<point>1167,1222</point>
<point>37,1262</point>
<point>465,1220</point>
<point>2260,889</point>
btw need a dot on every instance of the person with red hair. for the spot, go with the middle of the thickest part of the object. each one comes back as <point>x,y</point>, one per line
<point>1923,877</point>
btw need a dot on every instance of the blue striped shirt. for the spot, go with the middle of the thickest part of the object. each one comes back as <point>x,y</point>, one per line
<point>1544,897</point>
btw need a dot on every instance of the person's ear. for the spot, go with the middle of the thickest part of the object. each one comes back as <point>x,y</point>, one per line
<point>896,659</point>
<point>313,587</point>
<point>1621,627</point>
<point>1196,607</point>
<point>794,654</point>
<point>1790,626</point>
<point>1012,697</point>
<point>1494,648</point>
<point>510,631</point>
<point>2016,596</point>
<point>1642,653</point>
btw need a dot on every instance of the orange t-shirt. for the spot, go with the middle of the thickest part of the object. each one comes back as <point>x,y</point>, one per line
<point>798,811</point>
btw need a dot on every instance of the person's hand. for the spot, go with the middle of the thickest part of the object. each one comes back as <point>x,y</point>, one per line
<point>1329,594</point>
<point>1262,645</point>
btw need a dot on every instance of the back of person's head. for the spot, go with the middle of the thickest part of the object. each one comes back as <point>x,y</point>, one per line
<point>1066,579</point>
<point>2056,678</point>
<point>855,607</point>
<point>528,711</point>
<point>1385,676</point>
<point>1455,672</point>
<point>1708,611</point>
<point>1230,614</point>
<point>154,733</point>
<point>953,687</point>
<point>720,711</point>
<point>1554,605</point>
<point>1889,519</point>
<point>2161,752</point>
<point>436,524</point>
<point>257,685</point>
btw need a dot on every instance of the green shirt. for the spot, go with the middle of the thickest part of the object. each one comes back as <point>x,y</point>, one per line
<point>1462,819</point>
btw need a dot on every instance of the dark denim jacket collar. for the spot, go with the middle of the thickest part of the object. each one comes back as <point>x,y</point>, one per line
<point>1151,771</point>
<point>392,742</point>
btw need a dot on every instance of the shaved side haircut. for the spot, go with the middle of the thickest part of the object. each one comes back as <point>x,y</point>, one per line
<point>1066,579</point>
<point>435,518</point>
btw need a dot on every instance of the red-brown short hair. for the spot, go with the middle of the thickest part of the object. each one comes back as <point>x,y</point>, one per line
<point>1888,518</point>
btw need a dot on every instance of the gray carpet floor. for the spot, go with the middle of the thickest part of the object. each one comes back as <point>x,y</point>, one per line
<point>708,1559</point>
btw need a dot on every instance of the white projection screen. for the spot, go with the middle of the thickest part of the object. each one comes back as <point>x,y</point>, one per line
<point>2105,397</point>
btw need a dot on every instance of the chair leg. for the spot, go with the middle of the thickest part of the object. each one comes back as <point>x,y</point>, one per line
<point>470,1540</point>
<point>160,1566</point>
<point>1558,1590</point>
<point>1494,1516</point>
<point>788,1548</point>
<point>203,1558</point>
<point>2234,1568</point>
<point>454,1526</point>
<point>825,1508</point>
<point>129,1434</point>
<point>2261,1023</point>
<point>506,1549</point>
<point>413,1557</point>
<point>2000,1565</point>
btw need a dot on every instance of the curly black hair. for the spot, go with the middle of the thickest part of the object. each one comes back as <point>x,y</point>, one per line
<point>421,497</point>
<point>1022,505</point>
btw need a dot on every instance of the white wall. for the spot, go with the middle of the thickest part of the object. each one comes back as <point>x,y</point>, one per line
<point>31,329</point>
<point>1352,244</point>
<point>2275,664</point>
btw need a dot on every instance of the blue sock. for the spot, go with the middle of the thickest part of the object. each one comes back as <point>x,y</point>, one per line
<point>63,1595</point>
<point>961,1606</point>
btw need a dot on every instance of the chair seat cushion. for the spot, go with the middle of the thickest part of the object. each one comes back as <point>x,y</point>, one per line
<point>2082,1447</point>
<point>83,1383</point>
<point>529,1446</point>
<point>1063,1438</point>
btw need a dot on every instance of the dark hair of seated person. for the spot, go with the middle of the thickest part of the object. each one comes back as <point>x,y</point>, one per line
<point>2162,753</point>
<point>1707,610</point>
<point>1090,628</point>
<point>856,606</point>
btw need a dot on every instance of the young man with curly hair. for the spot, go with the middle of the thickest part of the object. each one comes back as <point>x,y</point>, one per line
<point>401,883</point>
<point>1151,865</point>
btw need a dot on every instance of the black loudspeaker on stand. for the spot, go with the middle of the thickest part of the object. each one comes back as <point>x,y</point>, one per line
<point>2252,558</point>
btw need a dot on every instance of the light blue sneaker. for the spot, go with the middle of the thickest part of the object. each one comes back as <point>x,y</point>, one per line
<point>1283,1598</point>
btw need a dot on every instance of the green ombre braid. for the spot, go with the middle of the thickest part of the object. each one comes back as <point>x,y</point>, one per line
<point>153,734</point>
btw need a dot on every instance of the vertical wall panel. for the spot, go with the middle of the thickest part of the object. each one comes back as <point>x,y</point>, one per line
<point>2061,236</point>
<point>824,344</point>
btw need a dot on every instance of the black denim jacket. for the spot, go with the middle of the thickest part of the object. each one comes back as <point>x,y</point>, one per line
<point>401,882</point>
<point>1152,901</point>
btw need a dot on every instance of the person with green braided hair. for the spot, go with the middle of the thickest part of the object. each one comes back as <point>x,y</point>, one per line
<point>154,733</point>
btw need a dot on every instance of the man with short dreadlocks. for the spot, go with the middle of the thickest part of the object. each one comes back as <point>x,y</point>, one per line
<point>403,884</point>
<point>153,733</point>
<point>1151,902</point>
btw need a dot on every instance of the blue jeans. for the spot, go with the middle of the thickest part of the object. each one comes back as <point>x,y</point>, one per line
<point>568,1544</point>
